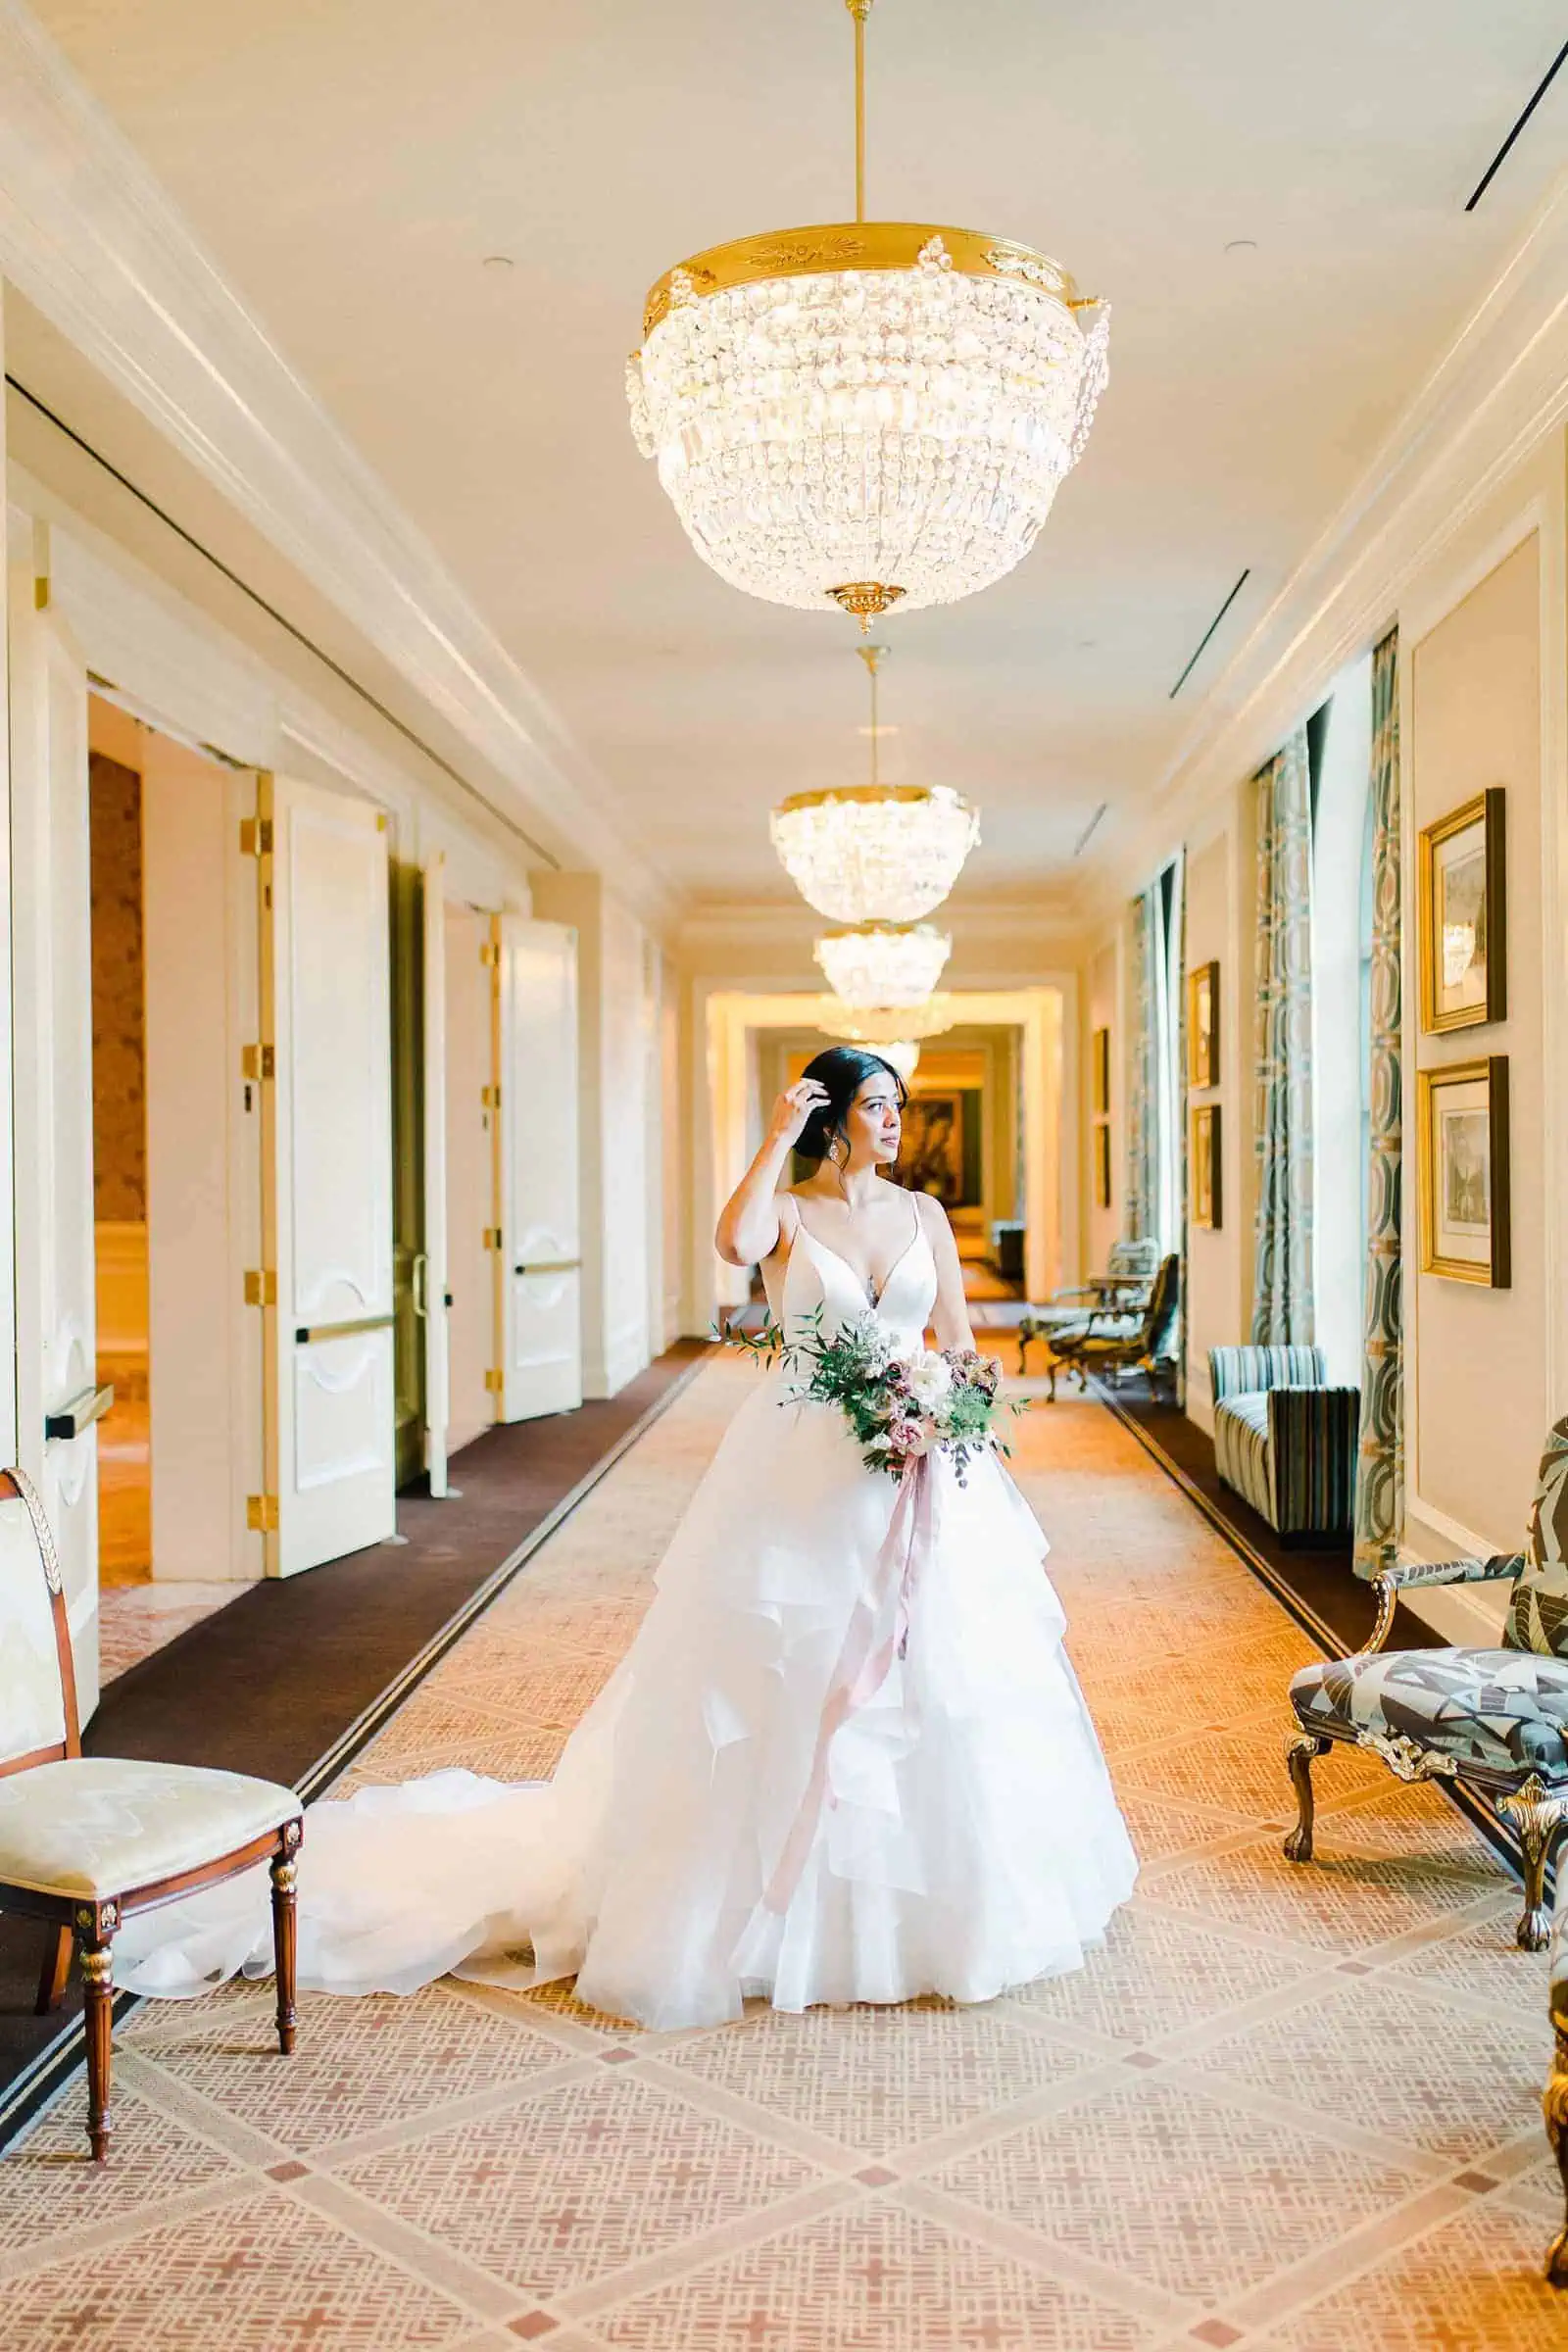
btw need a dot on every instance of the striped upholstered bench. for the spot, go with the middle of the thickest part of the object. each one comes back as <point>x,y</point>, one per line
<point>1284,1440</point>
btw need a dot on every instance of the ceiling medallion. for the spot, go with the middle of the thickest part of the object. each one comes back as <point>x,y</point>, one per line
<point>868,413</point>
<point>905,1025</point>
<point>874,853</point>
<point>879,966</point>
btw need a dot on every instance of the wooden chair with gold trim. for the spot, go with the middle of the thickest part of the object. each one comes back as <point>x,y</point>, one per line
<point>86,1840</point>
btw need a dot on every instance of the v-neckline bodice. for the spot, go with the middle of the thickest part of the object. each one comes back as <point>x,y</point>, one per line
<point>874,1296</point>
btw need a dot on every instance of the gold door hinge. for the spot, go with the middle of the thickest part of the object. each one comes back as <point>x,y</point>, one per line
<point>261,1289</point>
<point>256,837</point>
<point>492,1237</point>
<point>495,1382</point>
<point>261,1514</point>
<point>40,596</point>
<point>490,1097</point>
<point>490,952</point>
<point>258,1061</point>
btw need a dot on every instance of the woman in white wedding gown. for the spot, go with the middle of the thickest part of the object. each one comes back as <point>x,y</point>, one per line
<point>957,1834</point>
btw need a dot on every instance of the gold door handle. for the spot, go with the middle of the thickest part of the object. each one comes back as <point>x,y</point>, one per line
<point>71,1420</point>
<point>551,1265</point>
<point>305,1334</point>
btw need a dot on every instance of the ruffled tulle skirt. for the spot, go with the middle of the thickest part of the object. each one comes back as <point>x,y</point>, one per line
<point>966,1838</point>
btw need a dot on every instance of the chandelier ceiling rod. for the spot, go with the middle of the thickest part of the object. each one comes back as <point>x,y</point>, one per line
<point>859,10</point>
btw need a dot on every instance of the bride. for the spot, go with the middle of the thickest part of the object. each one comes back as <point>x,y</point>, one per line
<point>728,1819</point>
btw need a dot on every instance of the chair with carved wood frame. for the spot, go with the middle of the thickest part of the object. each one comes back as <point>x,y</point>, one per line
<point>1114,1300</point>
<point>1102,1346</point>
<point>1494,1720</point>
<point>87,1841</point>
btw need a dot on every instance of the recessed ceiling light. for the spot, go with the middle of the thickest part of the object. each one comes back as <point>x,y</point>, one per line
<point>497,260</point>
<point>1242,245</point>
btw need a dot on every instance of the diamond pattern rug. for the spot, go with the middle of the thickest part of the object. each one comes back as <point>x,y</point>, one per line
<point>1284,2108</point>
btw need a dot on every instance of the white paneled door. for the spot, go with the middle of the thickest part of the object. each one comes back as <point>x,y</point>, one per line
<point>57,1397</point>
<point>326,1176</point>
<point>433,1275</point>
<point>540,1255</point>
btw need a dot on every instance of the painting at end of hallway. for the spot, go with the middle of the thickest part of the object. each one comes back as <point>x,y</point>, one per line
<point>933,1157</point>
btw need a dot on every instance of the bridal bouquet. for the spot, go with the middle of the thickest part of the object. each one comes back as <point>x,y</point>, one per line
<point>901,1406</point>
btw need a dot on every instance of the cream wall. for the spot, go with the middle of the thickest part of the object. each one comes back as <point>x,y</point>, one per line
<point>1483,705</point>
<point>1483,618</point>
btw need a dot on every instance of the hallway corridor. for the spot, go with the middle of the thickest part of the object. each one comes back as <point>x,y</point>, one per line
<point>1292,2109</point>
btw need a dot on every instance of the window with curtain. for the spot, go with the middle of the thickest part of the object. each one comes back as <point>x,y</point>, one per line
<point>1341,738</point>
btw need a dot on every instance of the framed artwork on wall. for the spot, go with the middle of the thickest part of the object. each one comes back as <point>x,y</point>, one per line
<point>1103,1165</point>
<point>1203,1025</point>
<point>1101,1058</point>
<point>1464,916</point>
<point>1463,1141</point>
<point>1206,1203</point>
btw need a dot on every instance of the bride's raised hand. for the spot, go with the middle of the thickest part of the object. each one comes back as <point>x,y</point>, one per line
<point>794,1108</point>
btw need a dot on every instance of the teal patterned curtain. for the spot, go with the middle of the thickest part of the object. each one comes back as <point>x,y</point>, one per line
<point>1282,1286</point>
<point>1143,1075</point>
<point>1380,1475</point>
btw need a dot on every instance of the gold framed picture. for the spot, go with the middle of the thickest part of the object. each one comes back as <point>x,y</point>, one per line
<point>1103,1165</point>
<point>1464,915</point>
<point>1462,1141</point>
<point>1203,1025</point>
<point>1205,1204</point>
<point>1100,1062</point>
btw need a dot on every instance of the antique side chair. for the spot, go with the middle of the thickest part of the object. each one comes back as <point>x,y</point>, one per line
<point>1555,2101</point>
<point>86,1840</point>
<point>1117,1344</point>
<point>1117,1297</point>
<point>1496,1720</point>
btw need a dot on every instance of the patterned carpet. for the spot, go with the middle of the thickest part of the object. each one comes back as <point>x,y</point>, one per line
<point>1284,2108</point>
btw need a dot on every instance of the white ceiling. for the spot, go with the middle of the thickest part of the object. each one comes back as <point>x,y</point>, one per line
<point>351,164</point>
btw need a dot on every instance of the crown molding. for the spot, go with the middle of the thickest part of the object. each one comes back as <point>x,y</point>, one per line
<point>1500,385</point>
<point>89,237</point>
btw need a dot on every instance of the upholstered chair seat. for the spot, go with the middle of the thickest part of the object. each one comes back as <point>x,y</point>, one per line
<point>87,1841</point>
<point>100,1826</point>
<point>1493,1719</point>
<point>1505,1708</point>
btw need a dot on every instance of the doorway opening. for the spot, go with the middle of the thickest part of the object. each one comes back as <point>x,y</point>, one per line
<point>170,1171</point>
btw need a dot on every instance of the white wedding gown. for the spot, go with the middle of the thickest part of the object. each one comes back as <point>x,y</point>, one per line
<point>967,1839</point>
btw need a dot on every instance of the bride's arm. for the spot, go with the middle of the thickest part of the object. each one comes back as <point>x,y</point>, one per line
<point>748,1230</point>
<point>951,1315</point>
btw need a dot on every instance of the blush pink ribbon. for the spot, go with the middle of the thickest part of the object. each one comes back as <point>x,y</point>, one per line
<point>878,1631</point>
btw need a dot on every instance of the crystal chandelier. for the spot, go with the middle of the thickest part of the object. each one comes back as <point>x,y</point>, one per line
<point>906,1024</point>
<point>869,414</point>
<point>874,853</point>
<point>880,965</point>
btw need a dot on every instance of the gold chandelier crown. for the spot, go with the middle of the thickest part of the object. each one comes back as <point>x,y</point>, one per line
<point>868,414</point>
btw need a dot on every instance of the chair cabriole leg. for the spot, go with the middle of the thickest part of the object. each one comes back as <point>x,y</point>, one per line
<point>285,1943</point>
<point>1538,1818</point>
<point>56,1969</point>
<point>97,1978</point>
<point>1302,1750</point>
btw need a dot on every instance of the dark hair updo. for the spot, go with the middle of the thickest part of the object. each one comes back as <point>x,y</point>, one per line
<point>843,1070</point>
